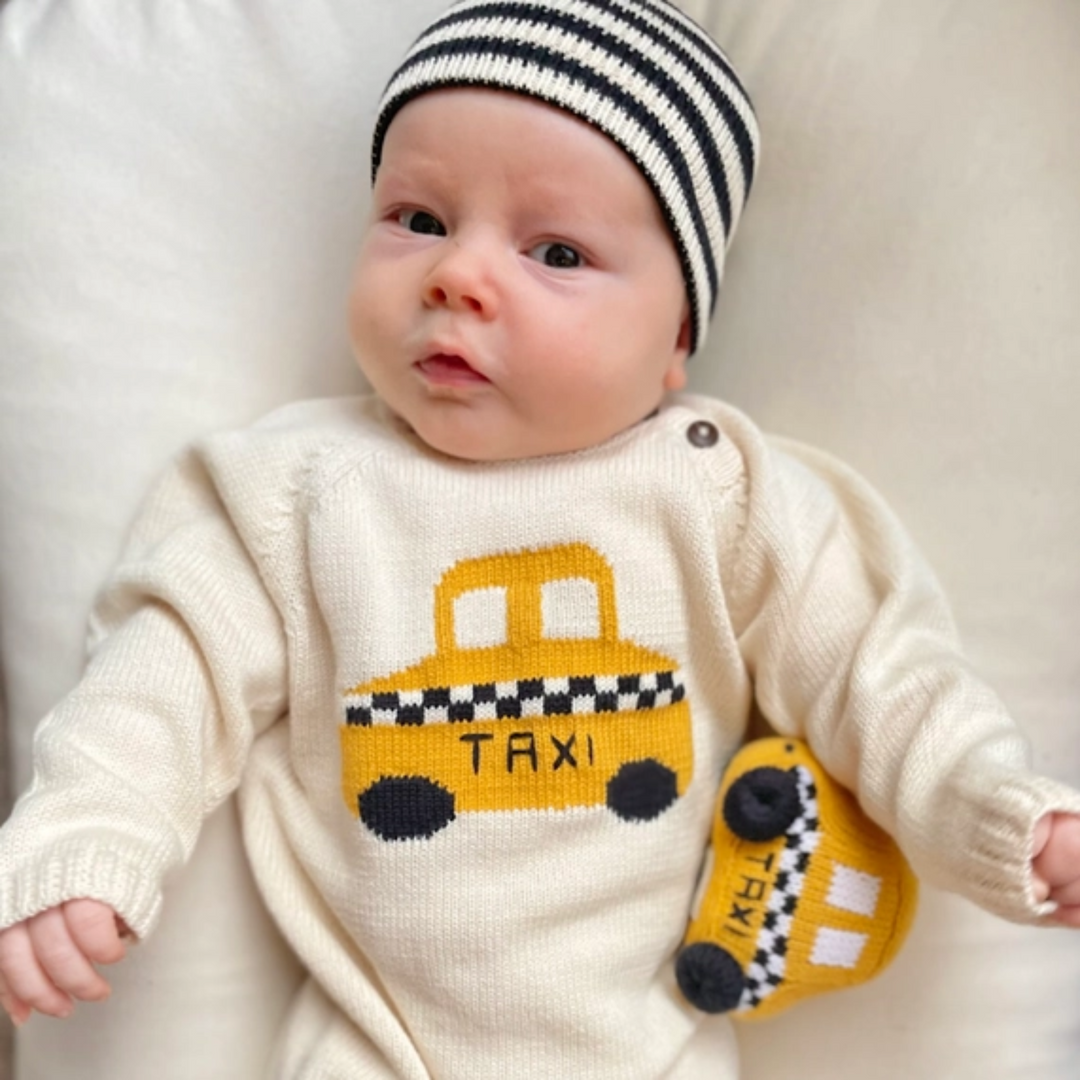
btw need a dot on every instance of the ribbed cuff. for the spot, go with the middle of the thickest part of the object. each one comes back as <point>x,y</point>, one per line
<point>78,868</point>
<point>993,821</point>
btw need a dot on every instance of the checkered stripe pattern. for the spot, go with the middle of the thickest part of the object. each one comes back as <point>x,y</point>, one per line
<point>640,71</point>
<point>766,971</point>
<point>573,695</point>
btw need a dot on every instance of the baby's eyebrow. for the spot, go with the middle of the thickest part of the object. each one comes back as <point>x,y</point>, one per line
<point>395,176</point>
<point>414,159</point>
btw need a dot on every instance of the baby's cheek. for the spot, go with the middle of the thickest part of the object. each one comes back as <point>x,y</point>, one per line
<point>368,322</point>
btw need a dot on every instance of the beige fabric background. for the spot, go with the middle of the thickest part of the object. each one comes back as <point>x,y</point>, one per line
<point>181,188</point>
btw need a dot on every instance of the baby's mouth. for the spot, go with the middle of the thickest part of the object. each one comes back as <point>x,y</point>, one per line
<point>448,369</point>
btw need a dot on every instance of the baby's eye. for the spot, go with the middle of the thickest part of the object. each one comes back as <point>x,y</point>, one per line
<point>420,221</point>
<point>560,256</point>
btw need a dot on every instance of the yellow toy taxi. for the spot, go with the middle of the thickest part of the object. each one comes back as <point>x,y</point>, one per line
<point>550,718</point>
<point>804,893</point>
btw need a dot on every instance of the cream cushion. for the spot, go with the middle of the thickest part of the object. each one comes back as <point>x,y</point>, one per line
<point>181,192</point>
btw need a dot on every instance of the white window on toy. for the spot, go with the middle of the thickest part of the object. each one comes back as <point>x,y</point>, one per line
<point>837,948</point>
<point>852,890</point>
<point>480,618</point>
<point>570,608</point>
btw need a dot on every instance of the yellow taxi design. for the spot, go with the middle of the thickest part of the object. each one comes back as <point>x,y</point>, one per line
<point>804,894</point>
<point>561,713</point>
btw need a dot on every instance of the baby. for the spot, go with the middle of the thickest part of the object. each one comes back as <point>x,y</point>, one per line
<point>476,648</point>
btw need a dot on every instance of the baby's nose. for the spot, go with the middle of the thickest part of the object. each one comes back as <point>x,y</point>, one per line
<point>463,279</point>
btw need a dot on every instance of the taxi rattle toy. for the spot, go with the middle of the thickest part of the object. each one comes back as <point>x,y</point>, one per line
<point>804,892</point>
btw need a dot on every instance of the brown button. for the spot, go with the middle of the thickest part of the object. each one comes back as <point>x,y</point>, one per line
<point>703,434</point>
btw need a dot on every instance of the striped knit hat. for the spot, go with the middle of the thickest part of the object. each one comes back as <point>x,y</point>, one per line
<point>641,72</point>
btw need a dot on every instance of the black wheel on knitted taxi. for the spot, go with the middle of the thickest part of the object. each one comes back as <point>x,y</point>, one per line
<point>762,803</point>
<point>406,807</point>
<point>710,977</point>
<point>642,790</point>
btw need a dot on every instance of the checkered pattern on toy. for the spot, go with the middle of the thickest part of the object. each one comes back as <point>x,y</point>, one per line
<point>766,971</point>
<point>570,695</point>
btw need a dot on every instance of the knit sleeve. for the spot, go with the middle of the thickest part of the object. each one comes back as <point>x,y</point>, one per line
<point>187,666</point>
<point>850,643</point>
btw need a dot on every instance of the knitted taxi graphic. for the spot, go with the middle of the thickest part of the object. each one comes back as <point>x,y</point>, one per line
<point>804,894</point>
<point>560,712</point>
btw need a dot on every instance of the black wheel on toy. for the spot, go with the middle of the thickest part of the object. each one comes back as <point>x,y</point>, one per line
<point>762,803</point>
<point>710,977</point>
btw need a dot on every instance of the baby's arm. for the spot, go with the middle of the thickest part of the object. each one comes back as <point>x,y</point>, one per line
<point>850,642</point>
<point>48,961</point>
<point>188,666</point>
<point>1057,865</point>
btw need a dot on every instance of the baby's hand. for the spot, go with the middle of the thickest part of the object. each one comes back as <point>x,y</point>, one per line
<point>48,961</point>
<point>1057,865</point>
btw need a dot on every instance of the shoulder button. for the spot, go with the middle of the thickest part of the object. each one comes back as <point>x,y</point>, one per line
<point>703,434</point>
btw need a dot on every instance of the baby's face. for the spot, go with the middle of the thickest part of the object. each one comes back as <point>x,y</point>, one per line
<point>517,292</point>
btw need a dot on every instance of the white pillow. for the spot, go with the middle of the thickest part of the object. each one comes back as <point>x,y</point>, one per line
<point>181,191</point>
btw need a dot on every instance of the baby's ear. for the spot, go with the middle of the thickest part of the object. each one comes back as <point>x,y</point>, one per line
<point>675,376</point>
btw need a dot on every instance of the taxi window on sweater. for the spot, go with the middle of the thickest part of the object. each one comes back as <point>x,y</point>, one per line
<point>479,712</point>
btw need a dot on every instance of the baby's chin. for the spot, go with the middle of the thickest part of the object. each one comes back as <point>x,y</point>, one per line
<point>478,443</point>
<point>481,449</point>
<point>461,434</point>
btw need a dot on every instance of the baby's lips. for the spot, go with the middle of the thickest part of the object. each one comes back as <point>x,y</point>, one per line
<point>449,367</point>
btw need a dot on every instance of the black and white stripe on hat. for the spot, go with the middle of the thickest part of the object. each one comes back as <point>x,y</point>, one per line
<point>643,73</point>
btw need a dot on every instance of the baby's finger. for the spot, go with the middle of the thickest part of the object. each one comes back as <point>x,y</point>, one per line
<point>62,959</point>
<point>95,929</point>
<point>1058,863</point>
<point>18,1010</point>
<point>1066,895</point>
<point>26,979</point>
<point>1068,915</point>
